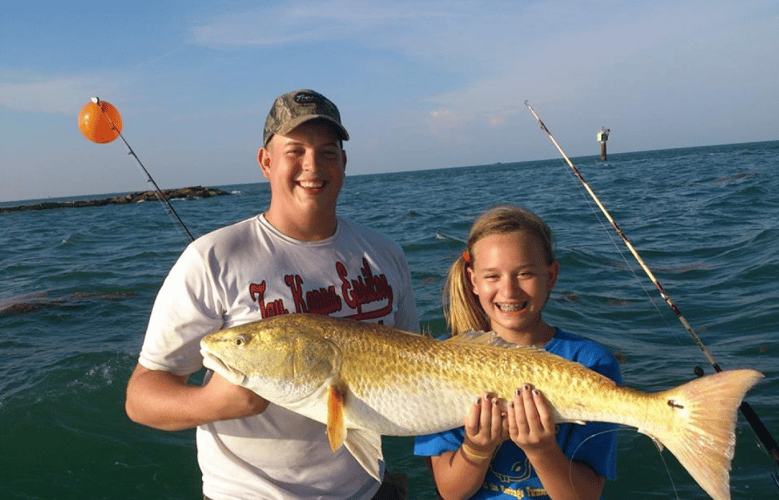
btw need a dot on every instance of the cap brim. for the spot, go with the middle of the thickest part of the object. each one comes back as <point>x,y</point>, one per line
<point>295,123</point>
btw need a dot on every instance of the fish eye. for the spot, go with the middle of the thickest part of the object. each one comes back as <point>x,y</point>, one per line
<point>240,340</point>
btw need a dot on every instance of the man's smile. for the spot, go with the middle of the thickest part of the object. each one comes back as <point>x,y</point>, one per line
<point>312,184</point>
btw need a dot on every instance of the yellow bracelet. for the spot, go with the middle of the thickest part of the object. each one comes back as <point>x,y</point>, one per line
<point>472,454</point>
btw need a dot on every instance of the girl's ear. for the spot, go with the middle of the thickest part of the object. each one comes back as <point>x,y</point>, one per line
<point>471,281</point>
<point>554,272</point>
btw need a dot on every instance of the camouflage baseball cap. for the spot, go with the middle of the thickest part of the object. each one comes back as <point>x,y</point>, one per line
<point>294,108</point>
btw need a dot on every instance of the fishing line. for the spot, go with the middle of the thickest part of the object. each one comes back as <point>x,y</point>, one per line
<point>443,236</point>
<point>659,450</point>
<point>757,425</point>
<point>655,446</point>
<point>157,191</point>
<point>619,250</point>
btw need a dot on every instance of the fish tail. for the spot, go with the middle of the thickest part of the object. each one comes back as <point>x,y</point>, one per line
<point>700,430</point>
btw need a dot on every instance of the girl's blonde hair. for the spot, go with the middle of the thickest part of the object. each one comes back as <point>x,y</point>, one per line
<point>461,306</point>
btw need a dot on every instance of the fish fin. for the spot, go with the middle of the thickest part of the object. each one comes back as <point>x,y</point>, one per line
<point>492,339</point>
<point>336,425</point>
<point>697,424</point>
<point>365,447</point>
<point>481,337</point>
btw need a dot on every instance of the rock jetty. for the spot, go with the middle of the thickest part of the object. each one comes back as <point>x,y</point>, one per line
<point>188,193</point>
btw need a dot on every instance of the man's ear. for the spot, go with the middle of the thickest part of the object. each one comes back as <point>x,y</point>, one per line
<point>263,158</point>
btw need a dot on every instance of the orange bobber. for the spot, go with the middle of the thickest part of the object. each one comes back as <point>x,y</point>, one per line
<point>99,121</point>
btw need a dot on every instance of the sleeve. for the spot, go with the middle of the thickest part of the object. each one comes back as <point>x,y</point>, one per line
<point>432,445</point>
<point>186,309</point>
<point>406,317</point>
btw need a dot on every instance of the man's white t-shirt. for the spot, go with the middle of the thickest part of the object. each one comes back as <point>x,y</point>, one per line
<point>250,271</point>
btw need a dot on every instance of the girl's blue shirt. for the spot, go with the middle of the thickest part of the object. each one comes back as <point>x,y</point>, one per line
<point>510,474</point>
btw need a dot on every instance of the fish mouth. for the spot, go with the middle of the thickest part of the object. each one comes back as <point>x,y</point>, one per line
<point>215,364</point>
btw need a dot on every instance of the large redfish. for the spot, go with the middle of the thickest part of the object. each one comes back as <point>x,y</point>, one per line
<point>365,380</point>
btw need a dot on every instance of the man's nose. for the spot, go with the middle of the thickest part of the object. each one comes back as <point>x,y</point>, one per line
<point>310,161</point>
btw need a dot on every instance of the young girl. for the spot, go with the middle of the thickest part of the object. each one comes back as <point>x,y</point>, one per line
<point>502,283</point>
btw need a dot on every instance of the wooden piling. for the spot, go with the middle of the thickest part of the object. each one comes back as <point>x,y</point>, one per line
<point>603,136</point>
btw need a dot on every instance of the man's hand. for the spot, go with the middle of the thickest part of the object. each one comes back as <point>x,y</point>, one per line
<point>232,401</point>
<point>165,401</point>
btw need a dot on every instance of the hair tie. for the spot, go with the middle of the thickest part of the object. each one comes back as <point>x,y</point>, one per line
<point>467,257</point>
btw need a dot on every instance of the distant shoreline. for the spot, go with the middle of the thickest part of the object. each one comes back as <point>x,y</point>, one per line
<point>187,193</point>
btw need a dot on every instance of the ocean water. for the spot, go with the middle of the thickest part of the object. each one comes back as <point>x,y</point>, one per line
<point>78,284</point>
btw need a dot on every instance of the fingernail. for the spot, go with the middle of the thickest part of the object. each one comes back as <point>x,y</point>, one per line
<point>526,387</point>
<point>516,392</point>
<point>478,401</point>
<point>535,392</point>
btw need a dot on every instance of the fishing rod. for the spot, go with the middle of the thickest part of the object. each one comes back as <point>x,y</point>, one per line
<point>757,425</point>
<point>91,127</point>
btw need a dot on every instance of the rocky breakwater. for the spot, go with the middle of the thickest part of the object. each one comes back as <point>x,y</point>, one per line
<point>188,193</point>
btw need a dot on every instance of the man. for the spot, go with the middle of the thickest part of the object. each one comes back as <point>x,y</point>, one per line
<point>296,257</point>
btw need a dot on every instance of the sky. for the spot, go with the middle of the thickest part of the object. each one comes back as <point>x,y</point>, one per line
<point>420,85</point>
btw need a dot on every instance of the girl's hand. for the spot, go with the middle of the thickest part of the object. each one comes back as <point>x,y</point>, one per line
<point>459,474</point>
<point>530,422</point>
<point>485,427</point>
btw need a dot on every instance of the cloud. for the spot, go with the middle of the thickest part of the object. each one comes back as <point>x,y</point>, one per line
<point>314,21</point>
<point>59,94</point>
